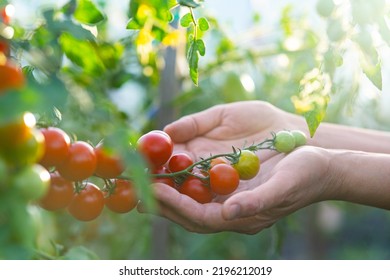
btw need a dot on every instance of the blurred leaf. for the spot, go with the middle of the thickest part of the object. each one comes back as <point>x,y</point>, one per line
<point>186,20</point>
<point>285,20</point>
<point>80,253</point>
<point>315,117</point>
<point>190,3</point>
<point>133,24</point>
<point>82,53</point>
<point>87,12</point>
<point>203,24</point>
<point>374,73</point>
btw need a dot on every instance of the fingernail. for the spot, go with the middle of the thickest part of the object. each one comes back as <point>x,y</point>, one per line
<point>233,211</point>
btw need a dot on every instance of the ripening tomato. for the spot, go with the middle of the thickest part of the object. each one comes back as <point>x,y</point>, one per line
<point>57,144</point>
<point>11,76</point>
<point>248,165</point>
<point>224,179</point>
<point>218,160</point>
<point>165,180</point>
<point>87,204</point>
<point>59,195</point>
<point>25,153</point>
<point>156,147</point>
<point>17,130</point>
<point>32,182</point>
<point>196,189</point>
<point>4,47</point>
<point>123,199</point>
<point>80,164</point>
<point>179,162</point>
<point>108,165</point>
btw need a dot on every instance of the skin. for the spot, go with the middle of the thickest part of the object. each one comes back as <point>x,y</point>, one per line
<point>329,167</point>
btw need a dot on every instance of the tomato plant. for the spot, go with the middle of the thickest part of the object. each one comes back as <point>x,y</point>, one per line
<point>87,204</point>
<point>122,197</point>
<point>224,179</point>
<point>59,194</point>
<point>196,189</point>
<point>80,163</point>
<point>57,144</point>
<point>108,165</point>
<point>156,147</point>
<point>248,165</point>
<point>165,180</point>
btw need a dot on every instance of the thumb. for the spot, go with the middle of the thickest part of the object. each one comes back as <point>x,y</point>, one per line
<point>251,202</point>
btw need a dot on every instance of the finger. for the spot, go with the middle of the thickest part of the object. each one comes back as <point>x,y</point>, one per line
<point>191,126</point>
<point>250,203</point>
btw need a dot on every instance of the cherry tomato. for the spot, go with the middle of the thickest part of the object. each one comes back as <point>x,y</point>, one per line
<point>57,144</point>
<point>165,180</point>
<point>6,13</point>
<point>195,188</point>
<point>284,142</point>
<point>80,164</point>
<point>300,137</point>
<point>219,160</point>
<point>32,182</point>
<point>248,165</point>
<point>4,47</point>
<point>17,130</point>
<point>11,76</point>
<point>88,204</point>
<point>224,179</point>
<point>156,147</point>
<point>108,165</point>
<point>179,162</point>
<point>25,153</point>
<point>123,199</point>
<point>59,195</point>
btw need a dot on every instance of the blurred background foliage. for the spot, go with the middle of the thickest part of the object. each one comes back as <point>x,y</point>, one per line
<point>104,69</point>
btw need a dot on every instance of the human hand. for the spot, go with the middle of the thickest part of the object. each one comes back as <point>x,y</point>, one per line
<point>285,184</point>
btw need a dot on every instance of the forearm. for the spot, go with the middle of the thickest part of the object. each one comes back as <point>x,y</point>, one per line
<point>361,177</point>
<point>335,136</point>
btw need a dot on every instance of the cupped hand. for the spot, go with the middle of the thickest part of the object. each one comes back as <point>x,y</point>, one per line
<point>285,184</point>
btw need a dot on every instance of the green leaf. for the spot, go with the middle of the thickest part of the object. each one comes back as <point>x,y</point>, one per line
<point>374,73</point>
<point>314,118</point>
<point>133,24</point>
<point>87,12</point>
<point>80,253</point>
<point>201,47</point>
<point>193,59</point>
<point>186,20</point>
<point>82,53</point>
<point>190,3</point>
<point>203,24</point>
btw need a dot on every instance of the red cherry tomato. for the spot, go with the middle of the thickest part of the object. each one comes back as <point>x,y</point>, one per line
<point>165,180</point>
<point>179,162</point>
<point>195,188</point>
<point>59,195</point>
<point>80,164</point>
<point>224,179</point>
<point>156,147</point>
<point>123,199</point>
<point>109,165</point>
<point>88,204</point>
<point>57,144</point>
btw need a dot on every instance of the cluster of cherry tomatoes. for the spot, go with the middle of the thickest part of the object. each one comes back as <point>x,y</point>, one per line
<point>44,165</point>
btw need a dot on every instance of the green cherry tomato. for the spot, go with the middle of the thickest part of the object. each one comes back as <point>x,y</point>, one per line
<point>32,182</point>
<point>284,141</point>
<point>248,165</point>
<point>300,137</point>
